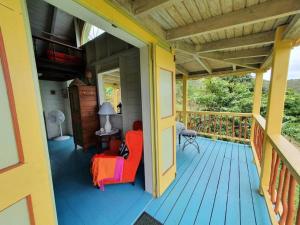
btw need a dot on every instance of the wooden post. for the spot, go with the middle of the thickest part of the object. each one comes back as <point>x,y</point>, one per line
<point>184,98</point>
<point>256,99</point>
<point>275,106</point>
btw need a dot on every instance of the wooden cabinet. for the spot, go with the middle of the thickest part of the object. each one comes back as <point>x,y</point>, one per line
<point>85,120</point>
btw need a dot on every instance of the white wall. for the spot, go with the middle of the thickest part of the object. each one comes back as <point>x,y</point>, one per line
<point>55,102</point>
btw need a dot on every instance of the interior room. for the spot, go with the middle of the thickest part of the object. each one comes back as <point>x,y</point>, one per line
<point>90,87</point>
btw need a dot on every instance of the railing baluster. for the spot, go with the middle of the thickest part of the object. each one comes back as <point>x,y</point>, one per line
<point>215,124</point>
<point>204,123</point>
<point>209,119</point>
<point>280,187</point>
<point>274,155</point>
<point>291,201</point>
<point>283,217</point>
<point>199,123</point>
<point>240,127</point>
<point>298,213</point>
<point>227,125</point>
<point>233,134</point>
<point>245,128</point>
<point>220,125</point>
<point>274,179</point>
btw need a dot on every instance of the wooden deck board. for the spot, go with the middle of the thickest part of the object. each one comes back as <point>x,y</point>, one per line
<point>219,209</point>
<point>189,156</point>
<point>191,210</point>
<point>233,197</point>
<point>175,215</point>
<point>246,201</point>
<point>217,186</point>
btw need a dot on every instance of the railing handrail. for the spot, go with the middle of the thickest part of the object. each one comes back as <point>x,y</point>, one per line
<point>288,153</point>
<point>219,113</point>
<point>260,120</point>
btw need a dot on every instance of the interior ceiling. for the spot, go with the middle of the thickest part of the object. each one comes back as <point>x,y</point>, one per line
<point>49,23</point>
<point>112,78</point>
<point>209,35</point>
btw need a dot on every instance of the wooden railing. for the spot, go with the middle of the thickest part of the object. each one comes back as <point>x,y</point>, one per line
<point>258,135</point>
<point>283,192</point>
<point>223,125</point>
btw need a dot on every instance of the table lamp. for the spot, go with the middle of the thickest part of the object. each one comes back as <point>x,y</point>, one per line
<point>107,109</point>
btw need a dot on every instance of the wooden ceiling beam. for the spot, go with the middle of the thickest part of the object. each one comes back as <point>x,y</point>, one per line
<point>268,62</point>
<point>238,72</point>
<point>248,53</point>
<point>261,12</point>
<point>181,69</point>
<point>203,63</point>
<point>216,56</point>
<point>190,50</point>
<point>232,43</point>
<point>143,7</point>
<point>248,61</point>
<point>292,31</point>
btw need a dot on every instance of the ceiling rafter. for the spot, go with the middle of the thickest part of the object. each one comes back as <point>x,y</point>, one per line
<point>143,7</point>
<point>253,14</point>
<point>253,60</point>
<point>203,63</point>
<point>217,56</point>
<point>292,31</point>
<point>190,50</point>
<point>248,53</point>
<point>238,72</point>
<point>232,43</point>
<point>181,69</point>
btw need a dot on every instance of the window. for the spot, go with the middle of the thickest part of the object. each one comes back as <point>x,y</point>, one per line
<point>90,32</point>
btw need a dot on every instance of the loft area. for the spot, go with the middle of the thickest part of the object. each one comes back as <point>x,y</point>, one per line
<point>58,40</point>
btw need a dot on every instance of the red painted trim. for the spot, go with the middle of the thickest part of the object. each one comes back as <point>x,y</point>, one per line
<point>11,100</point>
<point>30,210</point>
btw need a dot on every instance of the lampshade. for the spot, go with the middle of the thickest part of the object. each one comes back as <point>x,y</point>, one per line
<point>106,109</point>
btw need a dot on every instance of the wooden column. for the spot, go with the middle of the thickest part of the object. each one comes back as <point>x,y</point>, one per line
<point>275,106</point>
<point>184,98</point>
<point>256,98</point>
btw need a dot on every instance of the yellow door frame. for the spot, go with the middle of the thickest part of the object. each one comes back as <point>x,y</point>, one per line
<point>119,18</point>
<point>30,179</point>
<point>42,205</point>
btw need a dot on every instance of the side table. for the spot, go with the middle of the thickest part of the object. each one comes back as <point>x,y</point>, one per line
<point>105,137</point>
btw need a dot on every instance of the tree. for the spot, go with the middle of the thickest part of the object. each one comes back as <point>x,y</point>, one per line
<point>235,94</point>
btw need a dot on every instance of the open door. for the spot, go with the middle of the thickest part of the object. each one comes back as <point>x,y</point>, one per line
<point>165,114</point>
<point>25,185</point>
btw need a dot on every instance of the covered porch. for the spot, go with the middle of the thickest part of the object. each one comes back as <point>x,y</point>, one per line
<point>217,186</point>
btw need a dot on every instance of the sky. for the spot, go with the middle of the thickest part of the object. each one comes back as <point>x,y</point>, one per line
<point>294,66</point>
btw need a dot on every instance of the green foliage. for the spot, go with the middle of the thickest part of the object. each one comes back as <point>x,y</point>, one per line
<point>235,94</point>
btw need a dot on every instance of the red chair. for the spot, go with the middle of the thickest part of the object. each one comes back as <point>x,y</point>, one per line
<point>134,142</point>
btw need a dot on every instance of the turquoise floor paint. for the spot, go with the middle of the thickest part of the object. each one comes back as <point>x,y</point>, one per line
<point>218,186</point>
<point>78,202</point>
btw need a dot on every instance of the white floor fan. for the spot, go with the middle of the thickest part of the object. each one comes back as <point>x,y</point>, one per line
<point>58,117</point>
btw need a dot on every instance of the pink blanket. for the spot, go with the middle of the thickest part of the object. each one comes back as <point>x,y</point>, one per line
<point>107,168</point>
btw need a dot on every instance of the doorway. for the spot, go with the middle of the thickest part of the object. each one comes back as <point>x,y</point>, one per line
<point>70,168</point>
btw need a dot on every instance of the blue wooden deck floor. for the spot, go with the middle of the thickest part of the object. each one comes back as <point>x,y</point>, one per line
<point>218,186</point>
<point>78,202</point>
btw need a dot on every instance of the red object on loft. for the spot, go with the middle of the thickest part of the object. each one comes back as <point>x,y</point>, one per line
<point>63,57</point>
<point>134,142</point>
